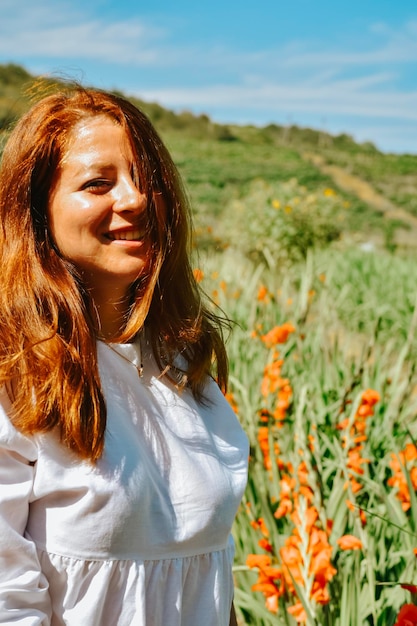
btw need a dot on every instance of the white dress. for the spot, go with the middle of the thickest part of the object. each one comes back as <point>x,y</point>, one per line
<point>140,538</point>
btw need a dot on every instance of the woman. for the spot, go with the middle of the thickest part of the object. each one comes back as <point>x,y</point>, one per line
<point>121,464</point>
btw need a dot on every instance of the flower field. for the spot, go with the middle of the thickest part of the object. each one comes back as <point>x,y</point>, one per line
<point>323,380</point>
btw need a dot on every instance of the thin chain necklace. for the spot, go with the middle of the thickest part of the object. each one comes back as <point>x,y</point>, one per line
<point>139,367</point>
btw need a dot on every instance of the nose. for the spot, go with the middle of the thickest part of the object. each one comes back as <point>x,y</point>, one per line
<point>127,197</point>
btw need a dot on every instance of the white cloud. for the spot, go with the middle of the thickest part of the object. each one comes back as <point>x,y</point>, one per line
<point>60,31</point>
<point>336,97</point>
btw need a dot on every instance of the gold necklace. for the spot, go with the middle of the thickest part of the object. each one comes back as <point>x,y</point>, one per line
<point>139,367</point>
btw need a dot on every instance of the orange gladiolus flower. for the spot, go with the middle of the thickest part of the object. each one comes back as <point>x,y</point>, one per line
<point>406,459</point>
<point>231,400</point>
<point>278,334</point>
<point>353,484</point>
<point>259,524</point>
<point>271,603</point>
<point>267,576</point>
<point>272,380</point>
<point>262,294</point>
<point>298,612</point>
<point>285,507</point>
<point>355,460</point>
<point>320,569</point>
<point>313,571</point>
<point>265,545</point>
<point>357,434</point>
<point>349,542</point>
<point>198,274</point>
<point>407,616</point>
<point>258,560</point>
<point>410,588</point>
<point>370,397</point>
<point>410,452</point>
<point>263,440</point>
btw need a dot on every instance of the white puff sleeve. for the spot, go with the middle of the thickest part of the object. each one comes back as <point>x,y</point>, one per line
<point>24,596</point>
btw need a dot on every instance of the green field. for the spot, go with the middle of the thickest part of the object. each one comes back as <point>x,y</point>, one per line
<point>354,318</point>
<point>313,236</point>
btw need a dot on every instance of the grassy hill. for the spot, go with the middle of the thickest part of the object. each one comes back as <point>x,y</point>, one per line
<point>220,164</point>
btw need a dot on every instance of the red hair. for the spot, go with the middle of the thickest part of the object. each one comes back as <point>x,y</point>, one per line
<point>48,356</point>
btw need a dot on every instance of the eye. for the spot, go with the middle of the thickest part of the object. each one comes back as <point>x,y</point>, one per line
<point>98,185</point>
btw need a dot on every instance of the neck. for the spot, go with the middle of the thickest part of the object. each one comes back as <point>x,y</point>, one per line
<point>111,314</point>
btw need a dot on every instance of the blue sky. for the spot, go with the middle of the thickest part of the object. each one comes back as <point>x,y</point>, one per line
<point>340,67</point>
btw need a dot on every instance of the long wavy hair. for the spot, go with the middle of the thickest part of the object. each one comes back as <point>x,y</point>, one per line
<point>48,329</point>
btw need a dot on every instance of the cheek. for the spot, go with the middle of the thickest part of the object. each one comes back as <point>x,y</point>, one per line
<point>71,217</point>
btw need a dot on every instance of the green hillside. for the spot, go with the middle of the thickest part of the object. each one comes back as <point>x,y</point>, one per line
<point>221,163</point>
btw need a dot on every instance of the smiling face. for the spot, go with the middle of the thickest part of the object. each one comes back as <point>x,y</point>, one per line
<point>97,216</point>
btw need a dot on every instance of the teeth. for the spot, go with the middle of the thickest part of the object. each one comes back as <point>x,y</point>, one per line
<point>128,235</point>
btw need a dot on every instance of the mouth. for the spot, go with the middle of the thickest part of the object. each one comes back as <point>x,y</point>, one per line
<point>126,235</point>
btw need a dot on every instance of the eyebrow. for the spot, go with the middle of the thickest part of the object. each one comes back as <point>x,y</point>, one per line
<point>93,168</point>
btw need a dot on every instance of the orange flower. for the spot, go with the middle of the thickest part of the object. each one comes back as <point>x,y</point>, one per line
<point>258,560</point>
<point>278,334</point>
<point>410,588</point>
<point>407,616</point>
<point>271,603</point>
<point>285,507</point>
<point>274,383</point>
<point>198,274</point>
<point>283,400</point>
<point>262,294</point>
<point>399,481</point>
<point>298,612</point>
<point>259,524</point>
<point>265,545</point>
<point>231,400</point>
<point>287,484</point>
<point>357,433</point>
<point>313,571</point>
<point>264,416</point>
<point>353,484</point>
<point>263,440</point>
<point>349,542</point>
<point>355,460</point>
<point>320,570</point>
<point>272,380</point>
<point>267,575</point>
<point>410,452</point>
<point>371,397</point>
